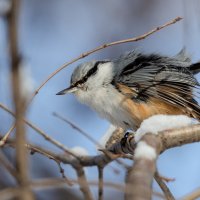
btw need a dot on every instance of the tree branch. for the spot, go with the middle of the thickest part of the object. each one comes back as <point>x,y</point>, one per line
<point>41,132</point>
<point>21,154</point>
<point>140,176</point>
<point>100,185</point>
<point>163,186</point>
<point>82,180</point>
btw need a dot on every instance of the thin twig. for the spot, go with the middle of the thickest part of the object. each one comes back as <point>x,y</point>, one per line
<point>74,126</point>
<point>42,133</point>
<point>62,171</point>
<point>5,137</point>
<point>9,193</point>
<point>83,183</point>
<point>34,149</point>
<point>57,182</point>
<point>89,138</point>
<point>163,186</point>
<point>8,166</point>
<point>169,139</point>
<point>100,186</point>
<point>47,183</point>
<point>86,161</point>
<point>192,196</point>
<point>83,55</point>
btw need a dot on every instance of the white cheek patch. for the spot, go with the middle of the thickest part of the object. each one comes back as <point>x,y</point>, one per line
<point>104,75</point>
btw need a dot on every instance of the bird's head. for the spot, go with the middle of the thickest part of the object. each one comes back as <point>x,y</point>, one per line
<point>89,77</point>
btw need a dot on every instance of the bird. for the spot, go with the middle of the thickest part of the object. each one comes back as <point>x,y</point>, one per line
<point>136,86</point>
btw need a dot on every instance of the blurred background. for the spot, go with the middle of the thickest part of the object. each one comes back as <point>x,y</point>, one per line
<point>54,32</point>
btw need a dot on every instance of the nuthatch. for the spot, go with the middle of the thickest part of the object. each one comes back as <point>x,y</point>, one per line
<point>136,86</point>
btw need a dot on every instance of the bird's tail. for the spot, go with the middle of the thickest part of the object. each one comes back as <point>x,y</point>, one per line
<point>195,68</point>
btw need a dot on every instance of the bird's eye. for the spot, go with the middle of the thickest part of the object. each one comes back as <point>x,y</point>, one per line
<point>80,85</point>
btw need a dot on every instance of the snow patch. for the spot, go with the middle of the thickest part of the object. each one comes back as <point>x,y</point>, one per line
<point>143,150</point>
<point>26,81</point>
<point>80,151</point>
<point>159,123</point>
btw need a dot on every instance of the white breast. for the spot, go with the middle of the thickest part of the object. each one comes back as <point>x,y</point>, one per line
<point>105,99</point>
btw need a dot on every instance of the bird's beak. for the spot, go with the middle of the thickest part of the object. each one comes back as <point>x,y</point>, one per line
<point>70,89</point>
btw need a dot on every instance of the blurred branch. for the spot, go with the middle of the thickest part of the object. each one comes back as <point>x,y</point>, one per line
<point>5,137</point>
<point>163,186</point>
<point>104,160</point>
<point>100,186</point>
<point>192,196</point>
<point>48,183</point>
<point>83,183</point>
<point>9,193</point>
<point>90,138</point>
<point>144,167</point>
<point>75,127</point>
<point>34,149</point>
<point>140,176</point>
<point>42,133</point>
<point>83,55</point>
<point>8,166</point>
<point>57,182</point>
<point>21,154</point>
<point>170,139</point>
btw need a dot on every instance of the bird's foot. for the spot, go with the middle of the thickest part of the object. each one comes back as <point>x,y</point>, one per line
<point>127,141</point>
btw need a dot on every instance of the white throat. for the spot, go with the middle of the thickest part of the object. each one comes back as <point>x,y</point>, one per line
<point>103,97</point>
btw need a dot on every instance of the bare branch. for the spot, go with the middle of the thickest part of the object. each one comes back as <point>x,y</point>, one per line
<point>42,133</point>
<point>21,154</point>
<point>164,140</point>
<point>83,184</point>
<point>169,138</point>
<point>140,176</point>
<point>83,55</point>
<point>9,193</point>
<point>193,195</point>
<point>90,138</point>
<point>100,186</point>
<point>5,137</point>
<point>8,166</point>
<point>179,137</point>
<point>57,182</point>
<point>163,186</point>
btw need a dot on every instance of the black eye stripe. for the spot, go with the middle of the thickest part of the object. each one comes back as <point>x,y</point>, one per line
<point>91,72</point>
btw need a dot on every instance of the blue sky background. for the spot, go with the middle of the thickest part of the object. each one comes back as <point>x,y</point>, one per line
<point>54,32</point>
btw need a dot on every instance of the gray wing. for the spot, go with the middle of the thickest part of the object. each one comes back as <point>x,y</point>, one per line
<point>160,77</point>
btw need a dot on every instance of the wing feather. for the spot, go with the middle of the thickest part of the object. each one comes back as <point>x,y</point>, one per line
<point>160,77</point>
